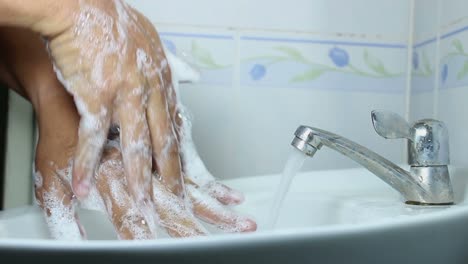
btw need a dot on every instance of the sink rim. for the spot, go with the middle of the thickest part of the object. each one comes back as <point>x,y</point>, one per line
<point>263,236</point>
<point>219,240</point>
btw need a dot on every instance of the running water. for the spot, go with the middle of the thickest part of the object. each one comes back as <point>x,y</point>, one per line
<point>293,165</point>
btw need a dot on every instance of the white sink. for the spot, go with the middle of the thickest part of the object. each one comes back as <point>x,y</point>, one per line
<point>328,216</point>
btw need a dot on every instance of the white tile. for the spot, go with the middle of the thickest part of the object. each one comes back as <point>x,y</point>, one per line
<point>453,12</point>
<point>423,81</point>
<point>454,112</point>
<point>268,117</point>
<point>384,17</point>
<point>425,19</point>
<point>424,59</point>
<point>212,109</point>
<point>19,153</point>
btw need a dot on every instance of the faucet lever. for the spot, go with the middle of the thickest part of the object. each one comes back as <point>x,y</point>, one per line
<point>428,138</point>
<point>390,125</point>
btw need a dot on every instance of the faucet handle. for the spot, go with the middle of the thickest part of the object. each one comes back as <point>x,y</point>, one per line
<point>428,138</point>
<point>429,145</point>
<point>390,125</point>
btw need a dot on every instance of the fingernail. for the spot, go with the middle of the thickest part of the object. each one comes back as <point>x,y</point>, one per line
<point>236,197</point>
<point>81,190</point>
<point>248,225</point>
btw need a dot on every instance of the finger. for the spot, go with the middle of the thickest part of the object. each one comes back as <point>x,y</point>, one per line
<point>54,196</point>
<point>52,166</point>
<point>136,146</point>
<point>192,165</point>
<point>129,221</point>
<point>92,133</point>
<point>164,139</point>
<point>173,214</point>
<point>223,193</point>
<point>196,171</point>
<point>213,212</point>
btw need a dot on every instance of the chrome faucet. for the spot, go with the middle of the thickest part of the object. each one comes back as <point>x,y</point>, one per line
<point>427,182</point>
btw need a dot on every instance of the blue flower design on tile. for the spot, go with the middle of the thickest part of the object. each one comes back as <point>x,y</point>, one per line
<point>339,57</point>
<point>257,72</point>
<point>444,73</point>
<point>169,45</point>
<point>375,68</point>
<point>458,53</point>
<point>415,60</point>
<point>422,65</point>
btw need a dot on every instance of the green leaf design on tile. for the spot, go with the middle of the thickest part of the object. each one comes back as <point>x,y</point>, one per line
<point>374,63</point>
<point>458,45</point>
<point>458,51</point>
<point>309,75</point>
<point>292,53</point>
<point>203,57</point>
<point>463,72</point>
<point>427,64</point>
<point>279,54</point>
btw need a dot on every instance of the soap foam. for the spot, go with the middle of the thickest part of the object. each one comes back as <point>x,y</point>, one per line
<point>194,167</point>
<point>60,218</point>
<point>223,193</point>
<point>135,222</point>
<point>176,216</point>
<point>227,220</point>
<point>38,180</point>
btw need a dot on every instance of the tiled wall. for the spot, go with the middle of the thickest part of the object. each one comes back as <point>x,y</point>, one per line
<point>269,66</point>
<point>440,69</point>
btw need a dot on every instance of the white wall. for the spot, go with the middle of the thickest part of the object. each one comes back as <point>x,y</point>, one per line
<point>19,151</point>
<point>385,18</point>
<point>442,35</point>
<point>267,68</point>
<point>246,107</point>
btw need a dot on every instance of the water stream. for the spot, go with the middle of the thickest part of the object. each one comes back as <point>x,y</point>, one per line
<point>293,165</point>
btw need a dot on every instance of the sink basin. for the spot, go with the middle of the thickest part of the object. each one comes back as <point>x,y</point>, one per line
<point>338,216</point>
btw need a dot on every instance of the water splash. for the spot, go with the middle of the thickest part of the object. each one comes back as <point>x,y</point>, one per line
<point>292,167</point>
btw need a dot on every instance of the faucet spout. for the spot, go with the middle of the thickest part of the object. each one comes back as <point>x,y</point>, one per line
<point>415,188</point>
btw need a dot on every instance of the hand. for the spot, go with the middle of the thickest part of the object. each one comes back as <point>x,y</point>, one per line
<point>207,195</point>
<point>27,60</point>
<point>110,58</point>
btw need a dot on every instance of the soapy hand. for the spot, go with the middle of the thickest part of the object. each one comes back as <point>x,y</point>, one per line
<point>110,58</point>
<point>206,195</point>
<point>26,68</point>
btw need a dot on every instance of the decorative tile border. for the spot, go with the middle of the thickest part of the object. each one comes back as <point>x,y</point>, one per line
<point>322,64</point>
<point>453,68</point>
<point>212,54</point>
<point>423,67</point>
<point>291,60</point>
<point>454,59</point>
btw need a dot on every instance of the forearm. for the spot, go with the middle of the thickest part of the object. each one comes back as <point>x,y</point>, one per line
<point>47,17</point>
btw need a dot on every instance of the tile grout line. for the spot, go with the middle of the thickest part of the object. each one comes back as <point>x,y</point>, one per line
<point>409,60</point>
<point>435,99</point>
<point>409,67</point>
<point>292,40</point>
<point>369,36</point>
<point>235,85</point>
<point>442,36</point>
